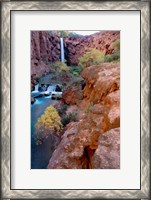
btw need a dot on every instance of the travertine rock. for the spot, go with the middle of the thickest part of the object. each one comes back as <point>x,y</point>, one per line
<point>100,81</point>
<point>107,155</point>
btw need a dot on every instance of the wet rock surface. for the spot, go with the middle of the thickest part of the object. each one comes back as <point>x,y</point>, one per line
<point>32,100</point>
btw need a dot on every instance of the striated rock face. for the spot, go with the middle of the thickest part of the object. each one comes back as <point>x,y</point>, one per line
<point>77,46</point>
<point>45,49</point>
<point>101,81</point>
<point>103,85</point>
<point>85,144</point>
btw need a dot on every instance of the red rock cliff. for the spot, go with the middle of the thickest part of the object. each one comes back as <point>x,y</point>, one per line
<point>45,49</point>
<point>76,46</point>
<point>94,141</point>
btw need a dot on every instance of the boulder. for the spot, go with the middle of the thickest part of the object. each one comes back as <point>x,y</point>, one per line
<point>100,81</point>
<point>32,100</point>
<point>107,154</point>
<point>74,93</point>
<point>76,148</point>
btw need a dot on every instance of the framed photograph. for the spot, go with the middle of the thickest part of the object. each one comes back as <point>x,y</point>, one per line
<point>75,90</point>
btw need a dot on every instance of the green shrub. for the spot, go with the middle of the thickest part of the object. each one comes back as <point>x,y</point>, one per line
<point>66,33</point>
<point>116,44</point>
<point>59,67</point>
<point>92,57</point>
<point>69,118</point>
<point>48,123</point>
<point>62,109</point>
<point>112,57</point>
<point>63,33</point>
<point>73,80</point>
<point>76,71</point>
<point>60,73</point>
<point>74,34</point>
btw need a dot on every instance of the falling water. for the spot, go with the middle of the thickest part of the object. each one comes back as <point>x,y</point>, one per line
<point>51,88</point>
<point>36,88</point>
<point>62,49</point>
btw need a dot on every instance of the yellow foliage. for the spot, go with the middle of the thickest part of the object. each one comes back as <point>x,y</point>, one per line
<point>48,123</point>
<point>92,57</point>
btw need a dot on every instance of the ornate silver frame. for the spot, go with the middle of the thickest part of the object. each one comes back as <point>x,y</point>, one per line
<point>6,191</point>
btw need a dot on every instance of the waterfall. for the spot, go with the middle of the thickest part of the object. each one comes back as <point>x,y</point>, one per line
<point>51,88</point>
<point>54,88</point>
<point>62,49</point>
<point>36,88</point>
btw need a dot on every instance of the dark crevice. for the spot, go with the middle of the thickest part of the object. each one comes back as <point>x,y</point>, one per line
<point>87,157</point>
<point>83,84</point>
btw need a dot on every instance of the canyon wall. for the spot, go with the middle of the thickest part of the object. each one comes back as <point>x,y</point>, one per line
<point>76,46</point>
<point>45,48</point>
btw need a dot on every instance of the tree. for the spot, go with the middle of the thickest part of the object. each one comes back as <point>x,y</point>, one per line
<point>48,123</point>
